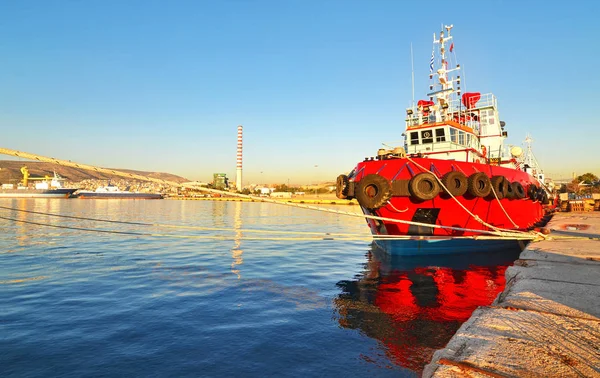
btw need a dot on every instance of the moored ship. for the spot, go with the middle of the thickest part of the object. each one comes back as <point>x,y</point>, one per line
<point>112,192</point>
<point>452,187</point>
<point>48,187</point>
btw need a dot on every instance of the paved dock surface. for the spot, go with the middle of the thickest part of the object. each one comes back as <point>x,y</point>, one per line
<point>546,323</point>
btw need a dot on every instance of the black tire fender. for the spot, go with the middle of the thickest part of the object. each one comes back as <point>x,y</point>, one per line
<point>424,186</point>
<point>510,193</point>
<point>479,185</point>
<point>500,185</point>
<point>342,184</point>
<point>373,191</point>
<point>532,191</point>
<point>455,183</point>
<point>542,196</point>
<point>518,190</point>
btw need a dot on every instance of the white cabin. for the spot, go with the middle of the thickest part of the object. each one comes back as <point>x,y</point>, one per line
<point>450,126</point>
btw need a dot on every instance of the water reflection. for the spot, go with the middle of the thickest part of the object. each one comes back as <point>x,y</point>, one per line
<point>413,306</point>
<point>218,213</point>
<point>236,251</point>
<point>22,229</point>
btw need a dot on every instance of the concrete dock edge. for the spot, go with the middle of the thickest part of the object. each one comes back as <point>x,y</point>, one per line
<point>546,322</point>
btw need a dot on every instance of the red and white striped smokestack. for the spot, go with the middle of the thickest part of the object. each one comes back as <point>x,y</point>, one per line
<point>238,179</point>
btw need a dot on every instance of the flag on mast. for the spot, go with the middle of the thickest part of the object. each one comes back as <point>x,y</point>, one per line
<point>452,47</point>
<point>431,63</point>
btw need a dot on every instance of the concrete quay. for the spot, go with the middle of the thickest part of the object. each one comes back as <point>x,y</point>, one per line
<point>546,322</point>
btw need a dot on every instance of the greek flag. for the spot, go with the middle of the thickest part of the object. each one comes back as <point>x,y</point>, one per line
<point>431,63</point>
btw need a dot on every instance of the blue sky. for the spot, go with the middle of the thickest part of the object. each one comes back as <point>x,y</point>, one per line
<point>317,85</point>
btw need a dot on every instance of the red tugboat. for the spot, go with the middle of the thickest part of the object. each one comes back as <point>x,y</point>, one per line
<point>452,188</point>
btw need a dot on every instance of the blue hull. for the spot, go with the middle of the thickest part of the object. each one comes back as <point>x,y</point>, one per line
<point>448,246</point>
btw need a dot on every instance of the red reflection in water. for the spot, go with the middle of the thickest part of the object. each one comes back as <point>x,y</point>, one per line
<point>414,312</point>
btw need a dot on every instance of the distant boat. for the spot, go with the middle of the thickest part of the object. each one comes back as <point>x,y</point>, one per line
<point>48,188</point>
<point>112,192</point>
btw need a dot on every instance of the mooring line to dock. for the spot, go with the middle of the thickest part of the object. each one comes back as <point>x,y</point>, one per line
<point>322,237</point>
<point>502,233</point>
<point>207,237</point>
<point>520,236</point>
<point>464,208</point>
<point>202,228</point>
<point>74,217</point>
<point>74,228</point>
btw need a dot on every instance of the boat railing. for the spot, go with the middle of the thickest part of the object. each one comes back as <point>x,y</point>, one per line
<point>487,100</point>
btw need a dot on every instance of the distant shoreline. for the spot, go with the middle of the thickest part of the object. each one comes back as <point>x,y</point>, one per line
<point>322,199</point>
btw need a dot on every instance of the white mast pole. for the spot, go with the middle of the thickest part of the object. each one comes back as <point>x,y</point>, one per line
<point>412,64</point>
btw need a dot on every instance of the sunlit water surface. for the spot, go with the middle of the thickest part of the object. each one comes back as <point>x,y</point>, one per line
<point>176,301</point>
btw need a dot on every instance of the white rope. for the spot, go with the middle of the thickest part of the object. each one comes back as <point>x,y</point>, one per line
<point>26,155</point>
<point>394,207</point>
<point>476,217</point>
<point>502,207</point>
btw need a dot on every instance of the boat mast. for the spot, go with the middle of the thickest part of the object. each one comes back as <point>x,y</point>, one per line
<point>442,106</point>
<point>530,159</point>
<point>412,64</point>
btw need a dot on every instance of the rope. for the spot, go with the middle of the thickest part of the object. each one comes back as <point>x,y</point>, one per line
<point>26,155</point>
<point>502,207</point>
<point>209,237</point>
<point>323,235</point>
<point>394,207</point>
<point>476,217</point>
<point>175,226</point>
<point>218,237</point>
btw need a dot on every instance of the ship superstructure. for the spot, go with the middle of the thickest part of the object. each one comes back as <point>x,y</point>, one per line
<point>450,124</point>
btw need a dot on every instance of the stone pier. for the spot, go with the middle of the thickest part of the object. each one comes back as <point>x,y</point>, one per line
<point>546,322</point>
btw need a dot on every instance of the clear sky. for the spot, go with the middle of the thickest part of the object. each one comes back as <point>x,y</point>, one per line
<point>317,85</point>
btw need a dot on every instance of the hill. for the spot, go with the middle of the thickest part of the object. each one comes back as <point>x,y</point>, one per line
<point>10,172</point>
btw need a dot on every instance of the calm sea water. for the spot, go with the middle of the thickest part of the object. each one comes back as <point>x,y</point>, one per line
<point>222,302</point>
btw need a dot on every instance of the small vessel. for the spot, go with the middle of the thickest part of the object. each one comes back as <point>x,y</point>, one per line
<point>111,191</point>
<point>48,187</point>
<point>452,187</point>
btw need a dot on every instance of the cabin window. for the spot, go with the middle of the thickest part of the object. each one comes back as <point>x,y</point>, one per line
<point>468,140</point>
<point>453,137</point>
<point>461,137</point>
<point>440,136</point>
<point>483,119</point>
<point>427,136</point>
<point>414,138</point>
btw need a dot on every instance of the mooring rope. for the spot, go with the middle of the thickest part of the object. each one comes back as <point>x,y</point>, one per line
<point>476,217</point>
<point>247,238</point>
<point>324,235</point>
<point>208,237</point>
<point>512,234</point>
<point>502,207</point>
<point>164,225</point>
